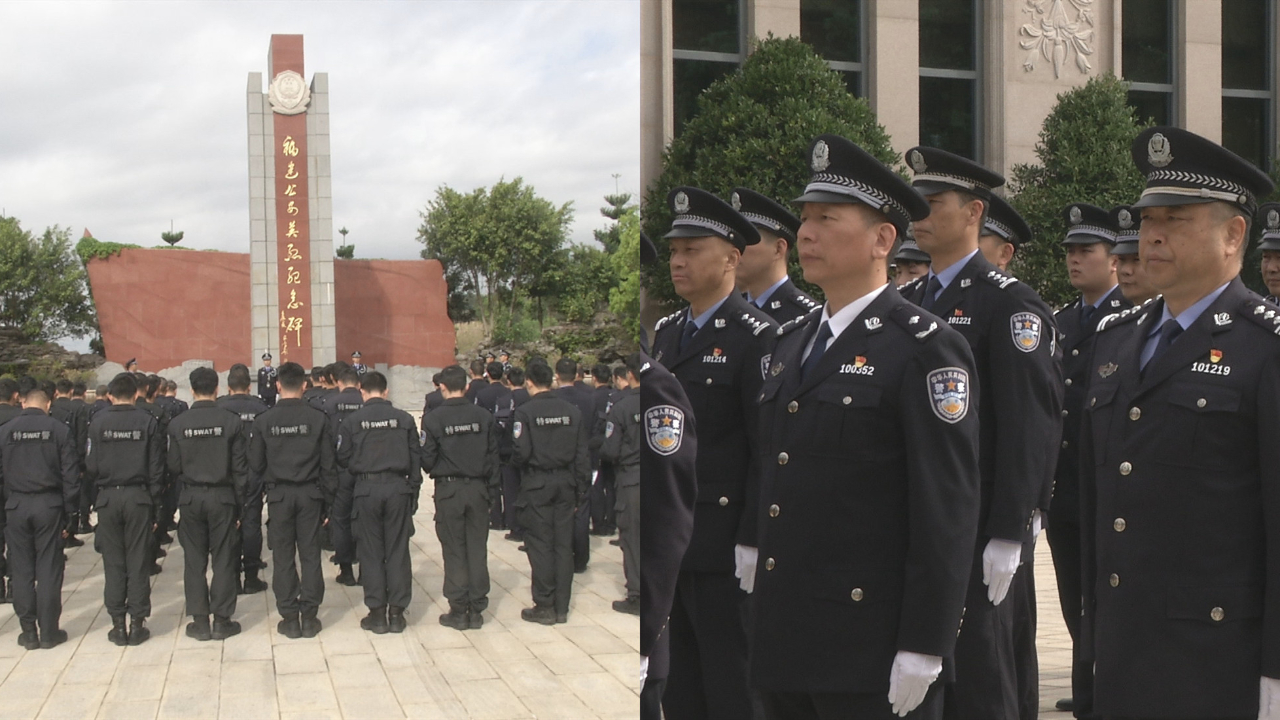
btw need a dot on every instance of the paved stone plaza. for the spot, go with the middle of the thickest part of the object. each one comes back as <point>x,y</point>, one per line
<point>1052,640</point>
<point>587,668</point>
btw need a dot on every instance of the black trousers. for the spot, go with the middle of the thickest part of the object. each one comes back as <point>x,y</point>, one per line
<point>628,516</point>
<point>88,490</point>
<point>651,698</point>
<point>986,683</point>
<point>708,673</point>
<point>603,500</point>
<point>124,538</point>
<point>1022,593</point>
<point>34,535</point>
<point>382,516</point>
<point>294,535</point>
<point>251,534</point>
<point>463,529</point>
<point>1064,543</point>
<point>547,515</point>
<point>581,534</point>
<point>208,530</point>
<point>340,533</point>
<point>510,491</point>
<point>845,706</point>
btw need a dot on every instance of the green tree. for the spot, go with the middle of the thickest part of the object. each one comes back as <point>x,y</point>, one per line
<point>753,128</point>
<point>1083,156</point>
<point>624,296</point>
<point>44,290</point>
<point>345,252</point>
<point>582,277</point>
<point>619,203</point>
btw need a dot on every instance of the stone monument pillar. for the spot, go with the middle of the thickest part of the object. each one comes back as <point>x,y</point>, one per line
<point>290,211</point>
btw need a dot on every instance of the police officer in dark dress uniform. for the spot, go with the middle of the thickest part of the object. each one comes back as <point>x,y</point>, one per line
<point>1089,239</point>
<point>762,273</point>
<point>267,381</point>
<point>248,408</point>
<point>40,474</point>
<point>292,451</point>
<point>460,453</point>
<point>718,350</point>
<point>1267,218</point>
<point>1129,273</point>
<point>1014,343</point>
<point>865,542</point>
<point>356,365</point>
<point>910,262</point>
<point>126,461</point>
<point>621,448</point>
<point>551,445</point>
<point>338,407</point>
<point>1179,464</point>
<point>208,457</point>
<point>379,445</point>
<point>1003,233</point>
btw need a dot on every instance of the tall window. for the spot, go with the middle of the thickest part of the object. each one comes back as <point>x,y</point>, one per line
<point>834,29</point>
<point>949,76</point>
<point>1247,67</point>
<point>1147,58</point>
<point>708,44</point>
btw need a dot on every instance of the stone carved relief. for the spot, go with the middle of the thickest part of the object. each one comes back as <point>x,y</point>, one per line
<point>1055,36</point>
<point>289,94</point>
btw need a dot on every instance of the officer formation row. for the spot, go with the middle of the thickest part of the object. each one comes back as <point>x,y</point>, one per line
<point>851,491</point>
<point>343,463</point>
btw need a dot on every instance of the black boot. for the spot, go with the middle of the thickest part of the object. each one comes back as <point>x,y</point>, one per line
<point>118,634</point>
<point>5,597</point>
<point>456,619</point>
<point>630,606</point>
<point>290,627</point>
<point>224,628</point>
<point>345,575</point>
<point>198,628</point>
<point>251,582</point>
<point>138,632</point>
<point>29,638</point>
<point>311,625</point>
<point>475,620</point>
<point>539,614</point>
<point>395,619</point>
<point>52,638</point>
<point>71,541</point>
<point>375,621</point>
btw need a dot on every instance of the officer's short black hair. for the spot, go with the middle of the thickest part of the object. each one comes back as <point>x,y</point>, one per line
<point>63,386</point>
<point>435,379</point>
<point>454,378</point>
<point>477,366</point>
<point>516,376</point>
<point>47,387</point>
<point>338,366</point>
<point>347,375</point>
<point>495,371</point>
<point>101,391</point>
<point>8,389</point>
<point>123,387</point>
<point>153,384</point>
<point>204,381</point>
<point>238,377</point>
<point>620,372</point>
<point>317,373</point>
<point>967,197</point>
<point>374,382</point>
<point>79,389</point>
<point>26,384</point>
<point>633,364</point>
<point>566,369</point>
<point>291,376</point>
<point>540,374</point>
<point>601,372</point>
<point>173,385</point>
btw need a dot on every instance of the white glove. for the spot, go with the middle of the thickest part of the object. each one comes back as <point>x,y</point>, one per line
<point>910,678</point>
<point>999,563</point>
<point>744,566</point>
<point>644,670</point>
<point>1037,524</point>
<point>1269,699</point>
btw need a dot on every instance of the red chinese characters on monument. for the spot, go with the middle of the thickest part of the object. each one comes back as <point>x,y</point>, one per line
<point>293,232</point>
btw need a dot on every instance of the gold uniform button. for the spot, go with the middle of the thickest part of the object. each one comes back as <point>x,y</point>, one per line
<point>1119,525</point>
<point>1217,614</point>
<point>1125,468</point>
<point>1068,382</point>
<point>847,400</point>
<point>856,594</point>
<point>724,501</point>
<point>768,564</point>
<point>1075,352</point>
<point>1135,413</point>
<point>783,458</point>
<point>793,406</point>
<point>774,510</point>
<point>1115,580</point>
<point>1201,403</point>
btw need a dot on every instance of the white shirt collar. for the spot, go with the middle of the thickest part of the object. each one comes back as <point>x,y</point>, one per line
<point>844,317</point>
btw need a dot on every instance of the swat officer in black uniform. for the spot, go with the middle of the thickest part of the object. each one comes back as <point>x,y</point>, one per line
<point>435,398</point>
<point>148,386</point>
<point>126,461</point>
<point>1014,343</point>
<point>9,409</point>
<point>248,408</point>
<point>460,453</point>
<point>718,348</point>
<point>208,457</point>
<point>40,474</point>
<point>379,445</point>
<point>604,484</point>
<point>338,407</point>
<point>292,451</point>
<point>551,446</point>
<point>762,273</point>
<point>267,381</point>
<point>78,391</point>
<point>621,448</point>
<point>1178,460</point>
<point>496,398</point>
<point>76,418</point>
<point>579,395</point>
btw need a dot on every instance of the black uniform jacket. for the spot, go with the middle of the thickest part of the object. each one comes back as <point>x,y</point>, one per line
<point>1012,335</point>
<point>1076,339</point>
<point>126,447</point>
<point>379,438</point>
<point>76,417</point>
<point>789,302</point>
<point>209,446</point>
<point>1180,507</point>
<point>292,443</point>
<point>622,437</point>
<point>38,455</point>
<point>869,500</point>
<point>460,439</point>
<point>550,442</point>
<point>721,370</point>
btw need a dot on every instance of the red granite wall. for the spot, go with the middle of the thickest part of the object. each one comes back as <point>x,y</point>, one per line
<point>393,312</point>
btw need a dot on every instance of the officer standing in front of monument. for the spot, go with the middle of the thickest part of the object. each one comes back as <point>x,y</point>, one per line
<point>248,407</point>
<point>356,365</point>
<point>379,445</point>
<point>267,381</point>
<point>718,349</point>
<point>292,452</point>
<point>460,453</point>
<point>762,272</point>
<point>621,449</point>
<point>1180,466</point>
<point>40,475</point>
<point>338,407</point>
<point>1013,338</point>
<point>207,456</point>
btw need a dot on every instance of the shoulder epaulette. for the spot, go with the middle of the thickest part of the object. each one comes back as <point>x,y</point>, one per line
<point>911,286</point>
<point>806,302</point>
<point>917,322</point>
<point>1261,312</point>
<point>666,320</point>
<point>1071,306</point>
<point>754,324</point>
<point>999,279</point>
<point>1124,316</point>
<point>799,322</point>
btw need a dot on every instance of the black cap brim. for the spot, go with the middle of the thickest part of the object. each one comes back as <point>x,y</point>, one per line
<point>1168,199</point>
<point>928,187</point>
<point>1125,247</point>
<point>1272,244</point>
<point>911,256</point>
<point>1082,238</point>
<point>690,232</point>
<point>822,196</point>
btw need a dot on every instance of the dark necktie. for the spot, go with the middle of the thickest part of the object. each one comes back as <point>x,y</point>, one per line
<point>1086,314</point>
<point>690,329</point>
<point>931,292</point>
<point>1169,332</point>
<point>819,347</point>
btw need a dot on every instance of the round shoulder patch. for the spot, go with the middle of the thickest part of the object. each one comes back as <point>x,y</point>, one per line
<point>664,428</point>
<point>1025,328</point>
<point>517,429</point>
<point>949,393</point>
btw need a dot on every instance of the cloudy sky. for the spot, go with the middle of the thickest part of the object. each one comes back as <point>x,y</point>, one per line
<point>123,116</point>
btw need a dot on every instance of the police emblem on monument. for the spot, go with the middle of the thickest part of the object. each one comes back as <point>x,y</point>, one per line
<point>1159,153</point>
<point>1025,328</point>
<point>821,156</point>
<point>664,428</point>
<point>949,393</point>
<point>680,203</point>
<point>289,94</point>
